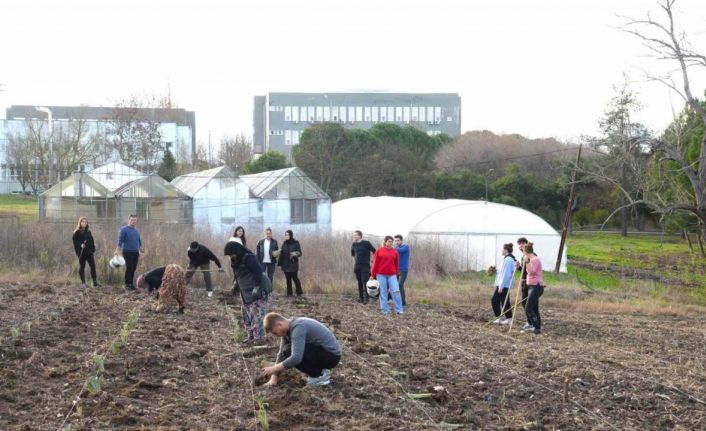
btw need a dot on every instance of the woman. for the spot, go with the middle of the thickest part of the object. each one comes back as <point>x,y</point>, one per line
<point>385,270</point>
<point>503,282</point>
<point>254,288</point>
<point>288,259</point>
<point>85,247</point>
<point>173,289</point>
<point>239,234</point>
<point>535,288</point>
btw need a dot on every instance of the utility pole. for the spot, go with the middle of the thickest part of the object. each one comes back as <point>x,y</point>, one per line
<point>567,215</point>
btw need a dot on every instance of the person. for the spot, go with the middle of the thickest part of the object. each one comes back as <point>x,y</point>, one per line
<point>306,345</point>
<point>239,233</point>
<point>361,250</point>
<point>85,247</point>
<point>521,243</point>
<point>385,267</point>
<point>503,283</point>
<point>403,251</point>
<point>535,288</point>
<point>130,245</point>
<point>151,280</point>
<point>253,290</point>
<point>266,254</point>
<point>199,258</point>
<point>289,262</point>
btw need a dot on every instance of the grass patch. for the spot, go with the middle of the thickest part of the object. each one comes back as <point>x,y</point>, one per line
<point>23,207</point>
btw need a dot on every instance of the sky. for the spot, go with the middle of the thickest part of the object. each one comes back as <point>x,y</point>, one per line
<point>540,68</point>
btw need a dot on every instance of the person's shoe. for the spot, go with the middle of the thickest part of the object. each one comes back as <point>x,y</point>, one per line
<point>537,331</point>
<point>497,321</point>
<point>529,330</point>
<point>84,285</point>
<point>210,294</point>
<point>96,284</point>
<point>506,321</point>
<point>323,380</point>
<point>526,326</point>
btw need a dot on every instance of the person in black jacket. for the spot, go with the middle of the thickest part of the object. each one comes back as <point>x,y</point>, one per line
<point>289,262</point>
<point>85,248</point>
<point>265,249</point>
<point>361,251</point>
<point>253,286</point>
<point>151,280</point>
<point>199,258</point>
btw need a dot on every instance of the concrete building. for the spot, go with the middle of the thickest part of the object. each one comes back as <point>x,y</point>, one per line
<point>280,118</point>
<point>177,129</point>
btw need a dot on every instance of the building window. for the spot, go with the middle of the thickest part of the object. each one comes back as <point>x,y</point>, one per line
<point>437,115</point>
<point>430,115</point>
<point>351,114</point>
<point>422,114</point>
<point>295,114</point>
<point>287,137</point>
<point>303,211</point>
<point>374,113</point>
<point>366,113</point>
<point>275,108</point>
<point>398,113</point>
<point>327,113</point>
<point>390,114</point>
<point>415,113</point>
<point>312,114</point>
<point>295,137</point>
<point>405,114</point>
<point>342,112</point>
<point>334,113</point>
<point>319,113</point>
<point>449,119</point>
<point>287,113</point>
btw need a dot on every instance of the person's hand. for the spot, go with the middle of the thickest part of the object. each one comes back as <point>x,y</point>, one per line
<point>117,251</point>
<point>272,381</point>
<point>256,291</point>
<point>83,245</point>
<point>142,251</point>
<point>220,269</point>
<point>269,371</point>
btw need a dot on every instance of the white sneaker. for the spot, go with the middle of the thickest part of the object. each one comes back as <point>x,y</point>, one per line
<point>526,326</point>
<point>497,321</point>
<point>505,321</point>
<point>210,294</point>
<point>323,380</point>
<point>529,329</point>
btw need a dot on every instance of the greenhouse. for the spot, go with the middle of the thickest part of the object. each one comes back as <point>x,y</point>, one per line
<point>112,192</point>
<point>470,233</point>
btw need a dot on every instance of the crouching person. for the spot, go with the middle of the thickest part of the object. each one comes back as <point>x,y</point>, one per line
<point>171,282</point>
<point>306,345</point>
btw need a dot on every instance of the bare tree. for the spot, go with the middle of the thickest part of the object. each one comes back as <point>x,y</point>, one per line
<point>134,134</point>
<point>668,43</point>
<point>235,151</point>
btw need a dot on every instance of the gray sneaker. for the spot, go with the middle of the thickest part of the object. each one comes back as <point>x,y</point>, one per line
<point>323,380</point>
<point>84,285</point>
<point>526,326</point>
<point>528,330</point>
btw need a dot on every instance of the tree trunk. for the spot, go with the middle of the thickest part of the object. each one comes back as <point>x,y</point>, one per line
<point>624,220</point>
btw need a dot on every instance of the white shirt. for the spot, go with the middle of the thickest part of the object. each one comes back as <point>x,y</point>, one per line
<point>266,252</point>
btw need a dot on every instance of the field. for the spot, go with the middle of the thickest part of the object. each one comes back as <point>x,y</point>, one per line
<point>436,367</point>
<point>20,207</point>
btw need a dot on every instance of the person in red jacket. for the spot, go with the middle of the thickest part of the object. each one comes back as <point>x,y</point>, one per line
<point>385,270</point>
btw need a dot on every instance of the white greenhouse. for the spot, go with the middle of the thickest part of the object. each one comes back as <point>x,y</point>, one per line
<point>471,232</point>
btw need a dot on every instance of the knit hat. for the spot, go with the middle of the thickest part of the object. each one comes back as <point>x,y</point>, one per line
<point>194,245</point>
<point>236,250</point>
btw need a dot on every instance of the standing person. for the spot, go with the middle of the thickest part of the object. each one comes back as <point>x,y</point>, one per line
<point>306,345</point>
<point>503,283</point>
<point>289,262</point>
<point>361,250</point>
<point>130,244</point>
<point>239,234</point>
<point>385,267</point>
<point>403,251</point>
<point>265,249</point>
<point>85,247</point>
<point>254,288</point>
<point>521,243</point>
<point>535,288</point>
<point>199,258</point>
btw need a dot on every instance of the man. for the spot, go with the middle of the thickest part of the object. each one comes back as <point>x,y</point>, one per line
<point>130,245</point>
<point>306,345</point>
<point>199,258</point>
<point>361,250</point>
<point>521,243</point>
<point>403,251</point>
<point>265,249</point>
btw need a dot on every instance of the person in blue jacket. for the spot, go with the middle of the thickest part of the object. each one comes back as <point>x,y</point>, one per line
<point>130,244</point>
<point>403,251</point>
<point>503,282</point>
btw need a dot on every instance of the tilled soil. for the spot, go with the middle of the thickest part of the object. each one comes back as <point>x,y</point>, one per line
<point>433,367</point>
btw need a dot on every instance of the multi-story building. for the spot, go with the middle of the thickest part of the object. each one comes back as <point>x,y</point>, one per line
<point>177,131</point>
<point>280,118</point>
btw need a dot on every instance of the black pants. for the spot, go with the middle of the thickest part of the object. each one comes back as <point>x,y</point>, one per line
<point>82,267</point>
<point>315,360</point>
<point>525,293</point>
<point>362,274</point>
<point>270,268</point>
<point>501,303</point>
<point>534,292</point>
<point>402,278</point>
<point>131,258</point>
<point>293,276</point>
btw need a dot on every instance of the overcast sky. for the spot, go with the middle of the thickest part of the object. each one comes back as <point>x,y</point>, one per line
<point>536,67</point>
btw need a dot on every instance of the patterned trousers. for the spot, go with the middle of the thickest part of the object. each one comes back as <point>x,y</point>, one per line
<point>253,314</point>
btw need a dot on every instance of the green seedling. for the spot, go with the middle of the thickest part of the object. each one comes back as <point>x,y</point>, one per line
<point>14,332</point>
<point>93,385</point>
<point>420,396</point>
<point>79,411</point>
<point>129,325</point>
<point>262,414</point>
<point>98,360</point>
<point>238,335</point>
<point>115,347</point>
<point>28,326</point>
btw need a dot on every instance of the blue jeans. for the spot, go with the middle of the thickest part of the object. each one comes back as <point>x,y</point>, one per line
<point>391,282</point>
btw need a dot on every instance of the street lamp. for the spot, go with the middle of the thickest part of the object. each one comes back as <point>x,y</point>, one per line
<point>51,146</point>
<point>486,182</point>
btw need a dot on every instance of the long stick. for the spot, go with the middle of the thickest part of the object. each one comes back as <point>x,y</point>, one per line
<point>517,294</point>
<point>567,215</point>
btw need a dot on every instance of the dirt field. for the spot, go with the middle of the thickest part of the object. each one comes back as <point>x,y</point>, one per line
<point>595,372</point>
